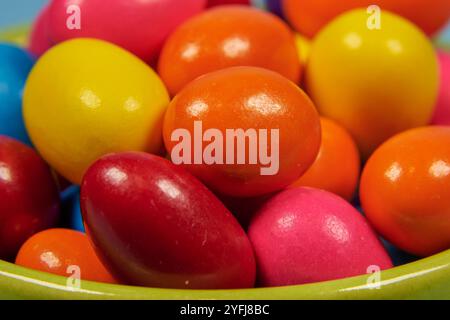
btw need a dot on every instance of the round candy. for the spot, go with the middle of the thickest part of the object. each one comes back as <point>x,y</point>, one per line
<point>138,26</point>
<point>375,83</point>
<point>40,37</point>
<point>15,64</point>
<point>306,235</point>
<point>310,16</point>
<point>63,252</point>
<point>244,131</point>
<point>225,37</point>
<point>337,166</point>
<point>442,112</point>
<point>86,98</point>
<point>405,190</point>
<point>158,226</point>
<point>29,200</point>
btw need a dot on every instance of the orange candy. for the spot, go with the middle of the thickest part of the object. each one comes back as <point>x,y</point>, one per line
<point>337,165</point>
<point>309,16</point>
<point>247,98</point>
<point>405,190</point>
<point>60,251</point>
<point>225,37</point>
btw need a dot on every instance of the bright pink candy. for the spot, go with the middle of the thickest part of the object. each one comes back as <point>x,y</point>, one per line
<point>306,235</point>
<point>39,38</point>
<point>442,113</point>
<point>138,26</point>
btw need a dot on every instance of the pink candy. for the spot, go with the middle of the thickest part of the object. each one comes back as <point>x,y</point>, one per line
<point>442,113</point>
<point>306,235</point>
<point>138,26</point>
<point>39,39</point>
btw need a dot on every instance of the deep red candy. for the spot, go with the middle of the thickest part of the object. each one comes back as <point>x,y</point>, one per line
<point>156,225</point>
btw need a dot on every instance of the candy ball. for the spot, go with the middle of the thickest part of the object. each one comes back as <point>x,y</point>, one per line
<point>306,235</point>
<point>310,16</point>
<point>138,26</point>
<point>405,190</point>
<point>15,64</point>
<point>158,226</point>
<point>243,131</point>
<point>375,83</point>
<point>63,252</point>
<point>29,196</point>
<point>39,41</point>
<point>85,98</point>
<point>442,112</point>
<point>337,165</point>
<point>226,37</point>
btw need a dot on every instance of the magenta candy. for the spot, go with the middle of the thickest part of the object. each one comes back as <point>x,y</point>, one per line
<point>39,37</point>
<point>156,225</point>
<point>138,26</point>
<point>306,235</point>
<point>442,113</point>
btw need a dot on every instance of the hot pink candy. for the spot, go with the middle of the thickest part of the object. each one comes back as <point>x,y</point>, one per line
<point>138,26</point>
<point>39,37</point>
<point>306,235</point>
<point>442,113</point>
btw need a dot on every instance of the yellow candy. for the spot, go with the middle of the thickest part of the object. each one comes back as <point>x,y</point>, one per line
<point>374,81</point>
<point>303,47</point>
<point>86,98</point>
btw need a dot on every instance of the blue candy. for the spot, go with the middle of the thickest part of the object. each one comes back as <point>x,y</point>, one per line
<point>76,219</point>
<point>15,65</point>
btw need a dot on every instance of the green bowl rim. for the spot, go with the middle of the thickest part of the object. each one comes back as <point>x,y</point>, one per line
<point>428,278</point>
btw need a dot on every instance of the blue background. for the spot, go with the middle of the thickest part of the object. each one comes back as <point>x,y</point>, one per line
<point>19,11</point>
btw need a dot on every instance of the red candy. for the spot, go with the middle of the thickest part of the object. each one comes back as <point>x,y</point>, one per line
<point>29,200</point>
<point>158,226</point>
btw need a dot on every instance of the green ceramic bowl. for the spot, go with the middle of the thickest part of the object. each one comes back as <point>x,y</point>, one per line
<point>425,279</point>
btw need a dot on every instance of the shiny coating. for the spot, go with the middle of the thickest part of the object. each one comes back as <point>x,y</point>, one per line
<point>375,83</point>
<point>29,196</point>
<point>307,235</point>
<point>247,98</point>
<point>405,190</point>
<point>86,98</point>
<point>158,226</point>
<point>63,252</point>
<point>226,37</point>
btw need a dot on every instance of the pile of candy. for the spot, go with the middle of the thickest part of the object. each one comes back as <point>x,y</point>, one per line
<point>223,147</point>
